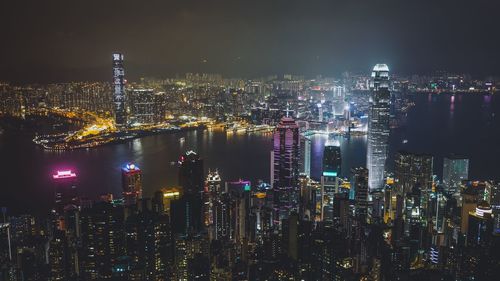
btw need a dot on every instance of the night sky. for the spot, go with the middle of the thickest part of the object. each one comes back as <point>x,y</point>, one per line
<point>52,41</point>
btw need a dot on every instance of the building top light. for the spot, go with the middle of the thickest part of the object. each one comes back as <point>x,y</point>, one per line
<point>64,174</point>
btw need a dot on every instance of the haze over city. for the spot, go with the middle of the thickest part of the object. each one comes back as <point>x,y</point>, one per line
<point>61,41</point>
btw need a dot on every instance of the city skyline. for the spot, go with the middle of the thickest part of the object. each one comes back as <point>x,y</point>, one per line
<point>304,141</point>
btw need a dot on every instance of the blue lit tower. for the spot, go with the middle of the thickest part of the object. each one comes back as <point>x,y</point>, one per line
<point>119,90</point>
<point>378,126</point>
<point>329,182</point>
<point>131,183</point>
<point>285,168</point>
<point>331,159</point>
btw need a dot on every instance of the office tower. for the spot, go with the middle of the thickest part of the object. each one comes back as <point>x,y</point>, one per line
<point>412,170</point>
<point>239,194</point>
<point>217,211</point>
<point>65,190</point>
<point>142,106</point>
<point>102,241</point>
<point>480,228</point>
<point>221,218</point>
<point>131,184</point>
<point>285,168</point>
<point>439,213</point>
<point>378,126</point>
<point>338,100</point>
<point>119,90</point>
<point>455,170</point>
<point>211,194</point>
<point>213,183</point>
<point>362,193</point>
<point>191,173</point>
<point>192,182</point>
<point>331,159</point>
<point>168,195</point>
<point>469,204</point>
<point>305,156</point>
<point>413,216</point>
<point>495,205</point>
<point>310,196</point>
<point>329,177</point>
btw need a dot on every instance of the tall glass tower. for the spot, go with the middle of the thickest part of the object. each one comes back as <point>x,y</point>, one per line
<point>455,170</point>
<point>119,90</point>
<point>378,126</point>
<point>285,168</point>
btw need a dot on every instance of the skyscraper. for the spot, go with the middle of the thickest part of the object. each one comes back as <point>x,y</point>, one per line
<point>329,177</point>
<point>305,156</point>
<point>65,189</point>
<point>455,169</point>
<point>191,173</point>
<point>143,106</point>
<point>131,183</point>
<point>412,169</point>
<point>119,90</point>
<point>378,126</point>
<point>360,178</point>
<point>285,168</point>
<point>331,160</point>
<point>189,207</point>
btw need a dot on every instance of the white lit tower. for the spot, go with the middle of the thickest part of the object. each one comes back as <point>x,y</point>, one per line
<point>119,90</point>
<point>378,126</point>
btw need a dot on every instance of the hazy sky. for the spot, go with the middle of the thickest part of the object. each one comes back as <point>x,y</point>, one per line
<point>46,40</point>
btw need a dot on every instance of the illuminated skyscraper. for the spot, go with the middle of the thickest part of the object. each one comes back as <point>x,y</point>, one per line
<point>211,193</point>
<point>329,177</point>
<point>65,189</point>
<point>119,90</point>
<point>331,160</point>
<point>131,183</point>
<point>455,169</point>
<point>412,169</point>
<point>168,195</point>
<point>192,182</point>
<point>378,126</point>
<point>143,106</point>
<point>362,193</point>
<point>191,173</point>
<point>495,205</point>
<point>305,156</point>
<point>480,226</point>
<point>285,168</point>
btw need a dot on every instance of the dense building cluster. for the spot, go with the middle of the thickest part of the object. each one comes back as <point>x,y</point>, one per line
<point>365,223</point>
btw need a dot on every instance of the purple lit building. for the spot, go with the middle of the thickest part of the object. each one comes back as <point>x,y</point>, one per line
<point>285,159</point>
<point>65,189</point>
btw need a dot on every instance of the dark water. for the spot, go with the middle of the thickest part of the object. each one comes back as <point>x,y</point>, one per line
<point>468,125</point>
